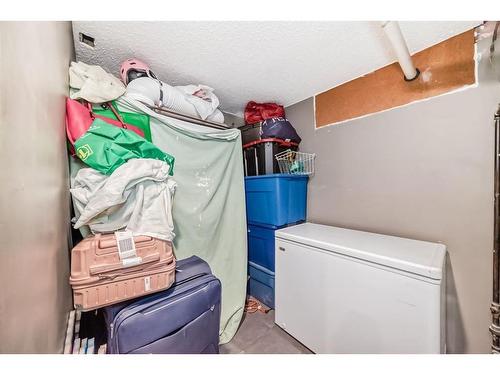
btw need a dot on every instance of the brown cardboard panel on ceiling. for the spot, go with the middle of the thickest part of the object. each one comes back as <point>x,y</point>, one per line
<point>444,67</point>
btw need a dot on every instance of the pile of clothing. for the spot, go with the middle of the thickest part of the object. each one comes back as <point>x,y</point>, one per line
<point>105,139</point>
<point>140,83</point>
<point>128,176</point>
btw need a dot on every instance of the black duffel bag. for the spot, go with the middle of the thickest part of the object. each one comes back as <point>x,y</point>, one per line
<point>279,127</point>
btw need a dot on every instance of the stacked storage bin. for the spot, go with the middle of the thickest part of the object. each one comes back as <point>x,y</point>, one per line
<point>273,201</point>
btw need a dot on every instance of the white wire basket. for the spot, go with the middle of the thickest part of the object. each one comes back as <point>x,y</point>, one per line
<point>294,162</point>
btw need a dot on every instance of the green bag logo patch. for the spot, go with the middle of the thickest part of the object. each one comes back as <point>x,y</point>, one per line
<point>84,152</point>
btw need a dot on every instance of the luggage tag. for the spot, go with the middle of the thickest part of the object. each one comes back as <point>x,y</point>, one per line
<point>126,249</point>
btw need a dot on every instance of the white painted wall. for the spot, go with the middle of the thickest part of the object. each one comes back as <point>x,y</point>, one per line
<point>34,208</point>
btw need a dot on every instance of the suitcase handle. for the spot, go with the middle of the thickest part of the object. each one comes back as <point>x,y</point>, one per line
<point>94,270</point>
<point>110,241</point>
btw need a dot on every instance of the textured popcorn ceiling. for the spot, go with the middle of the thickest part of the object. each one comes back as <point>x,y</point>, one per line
<point>283,62</point>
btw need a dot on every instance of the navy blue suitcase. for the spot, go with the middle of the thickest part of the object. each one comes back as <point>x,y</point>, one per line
<point>183,319</point>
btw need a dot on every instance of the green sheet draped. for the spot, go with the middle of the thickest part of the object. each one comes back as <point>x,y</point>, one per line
<point>209,204</point>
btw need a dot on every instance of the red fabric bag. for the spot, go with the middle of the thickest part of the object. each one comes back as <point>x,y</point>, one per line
<point>79,118</point>
<point>256,112</point>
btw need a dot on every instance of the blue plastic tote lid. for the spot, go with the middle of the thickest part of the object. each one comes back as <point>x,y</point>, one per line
<point>276,175</point>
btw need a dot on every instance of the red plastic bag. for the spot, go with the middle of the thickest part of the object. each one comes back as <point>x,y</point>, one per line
<point>256,112</point>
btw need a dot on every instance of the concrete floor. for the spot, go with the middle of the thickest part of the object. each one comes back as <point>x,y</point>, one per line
<point>258,334</point>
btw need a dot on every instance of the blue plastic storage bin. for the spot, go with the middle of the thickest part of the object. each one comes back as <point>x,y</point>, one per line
<point>261,249</point>
<point>276,199</point>
<point>261,245</point>
<point>261,284</point>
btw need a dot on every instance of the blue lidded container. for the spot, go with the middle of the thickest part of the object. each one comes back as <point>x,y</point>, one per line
<point>276,199</point>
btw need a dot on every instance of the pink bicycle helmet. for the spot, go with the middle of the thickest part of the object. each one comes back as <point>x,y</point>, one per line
<point>134,68</point>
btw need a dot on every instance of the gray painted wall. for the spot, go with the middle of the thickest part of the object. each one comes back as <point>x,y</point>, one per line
<point>34,208</point>
<point>233,120</point>
<point>423,171</point>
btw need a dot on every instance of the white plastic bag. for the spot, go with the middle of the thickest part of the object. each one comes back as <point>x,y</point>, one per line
<point>202,97</point>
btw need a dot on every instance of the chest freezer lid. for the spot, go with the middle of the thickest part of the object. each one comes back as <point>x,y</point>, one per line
<point>418,257</point>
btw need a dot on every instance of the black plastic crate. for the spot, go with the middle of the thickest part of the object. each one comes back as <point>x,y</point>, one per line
<point>258,156</point>
<point>250,132</point>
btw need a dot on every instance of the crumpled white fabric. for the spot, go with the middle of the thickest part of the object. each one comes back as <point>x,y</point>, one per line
<point>217,116</point>
<point>93,83</point>
<point>193,100</point>
<point>202,97</point>
<point>137,196</point>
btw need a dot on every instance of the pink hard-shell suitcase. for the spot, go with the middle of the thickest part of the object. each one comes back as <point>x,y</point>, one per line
<point>101,276</point>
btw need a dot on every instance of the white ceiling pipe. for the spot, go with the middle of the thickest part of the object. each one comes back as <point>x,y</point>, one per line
<point>399,46</point>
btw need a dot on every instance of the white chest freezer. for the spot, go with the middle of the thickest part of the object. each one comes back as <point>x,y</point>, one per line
<point>346,291</point>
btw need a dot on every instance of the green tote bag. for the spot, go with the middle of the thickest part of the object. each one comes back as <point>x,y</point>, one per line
<point>105,147</point>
